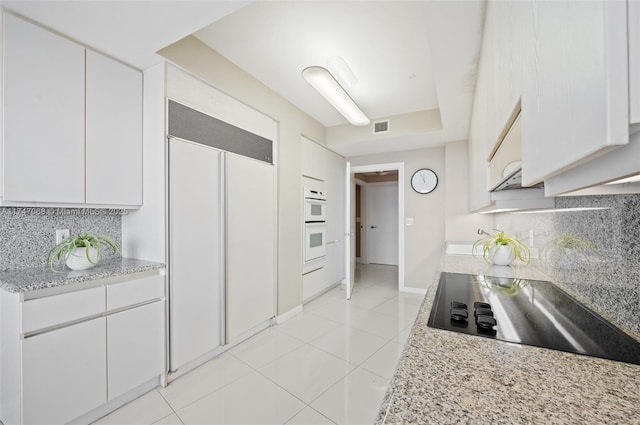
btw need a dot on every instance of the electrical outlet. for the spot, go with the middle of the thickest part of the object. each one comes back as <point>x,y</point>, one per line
<point>61,234</point>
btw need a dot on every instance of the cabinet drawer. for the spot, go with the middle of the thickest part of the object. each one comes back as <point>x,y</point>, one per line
<point>132,292</point>
<point>50,311</point>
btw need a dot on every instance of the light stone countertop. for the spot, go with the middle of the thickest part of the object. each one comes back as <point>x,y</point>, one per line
<point>34,279</point>
<point>448,377</point>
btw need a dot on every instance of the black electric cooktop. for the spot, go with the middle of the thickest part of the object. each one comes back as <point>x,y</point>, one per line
<point>527,312</point>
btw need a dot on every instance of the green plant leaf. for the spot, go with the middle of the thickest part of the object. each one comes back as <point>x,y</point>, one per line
<point>520,249</point>
<point>58,255</point>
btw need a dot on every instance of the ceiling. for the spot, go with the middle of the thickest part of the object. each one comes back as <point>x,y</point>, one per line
<point>407,56</point>
<point>131,31</point>
<point>384,43</point>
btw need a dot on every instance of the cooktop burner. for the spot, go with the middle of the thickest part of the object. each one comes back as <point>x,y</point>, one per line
<point>530,312</point>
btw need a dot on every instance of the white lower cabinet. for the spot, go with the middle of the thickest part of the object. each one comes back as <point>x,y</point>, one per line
<point>134,344</point>
<point>63,373</point>
<point>65,356</point>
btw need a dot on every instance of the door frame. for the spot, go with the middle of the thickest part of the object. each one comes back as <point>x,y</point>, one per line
<point>364,259</point>
<point>399,167</point>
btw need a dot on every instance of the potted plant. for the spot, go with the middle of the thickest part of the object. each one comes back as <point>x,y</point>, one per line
<point>502,249</point>
<point>79,252</point>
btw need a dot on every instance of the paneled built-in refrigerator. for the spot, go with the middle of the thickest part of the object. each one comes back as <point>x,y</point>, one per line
<point>222,244</point>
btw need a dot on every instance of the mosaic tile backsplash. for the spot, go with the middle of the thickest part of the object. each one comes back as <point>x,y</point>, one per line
<point>594,254</point>
<point>27,234</point>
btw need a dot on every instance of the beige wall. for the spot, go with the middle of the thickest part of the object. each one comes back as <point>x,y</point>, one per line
<point>425,239</point>
<point>440,216</point>
<point>349,136</point>
<point>460,225</point>
<point>197,58</point>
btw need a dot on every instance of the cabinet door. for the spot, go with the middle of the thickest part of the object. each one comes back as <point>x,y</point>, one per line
<point>576,105</point>
<point>43,115</point>
<point>135,347</point>
<point>64,373</point>
<point>250,243</point>
<point>114,132</point>
<point>195,239</point>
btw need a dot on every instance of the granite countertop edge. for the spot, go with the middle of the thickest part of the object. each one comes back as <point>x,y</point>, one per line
<point>37,278</point>
<point>447,377</point>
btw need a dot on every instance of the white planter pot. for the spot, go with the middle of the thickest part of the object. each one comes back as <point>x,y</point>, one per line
<point>501,255</point>
<point>77,259</point>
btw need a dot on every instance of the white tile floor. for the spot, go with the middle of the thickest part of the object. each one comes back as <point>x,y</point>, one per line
<point>330,364</point>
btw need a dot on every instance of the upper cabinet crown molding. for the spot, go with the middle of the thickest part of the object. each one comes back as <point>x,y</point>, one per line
<point>54,154</point>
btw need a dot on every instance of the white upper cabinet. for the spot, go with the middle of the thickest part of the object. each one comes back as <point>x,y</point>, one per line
<point>54,154</point>
<point>575,106</point>
<point>114,132</point>
<point>573,65</point>
<point>43,115</point>
<point>513,30</point>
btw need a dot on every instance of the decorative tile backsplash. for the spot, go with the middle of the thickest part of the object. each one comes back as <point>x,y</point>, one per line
<point>592,251</point>
<point>27,234</point>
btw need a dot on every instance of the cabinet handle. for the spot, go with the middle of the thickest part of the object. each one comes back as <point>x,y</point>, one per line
<point>374,227</point>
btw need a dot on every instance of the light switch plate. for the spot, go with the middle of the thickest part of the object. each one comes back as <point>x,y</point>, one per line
<point>409,221</point>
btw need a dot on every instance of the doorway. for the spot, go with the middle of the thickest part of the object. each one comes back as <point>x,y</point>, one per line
<point>389,191</point>
<point>377,217</point>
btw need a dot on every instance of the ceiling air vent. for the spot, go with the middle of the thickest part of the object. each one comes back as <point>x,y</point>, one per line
<point>380,127</point>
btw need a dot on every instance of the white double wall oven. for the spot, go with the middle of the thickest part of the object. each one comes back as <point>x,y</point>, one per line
<point>315,226</point>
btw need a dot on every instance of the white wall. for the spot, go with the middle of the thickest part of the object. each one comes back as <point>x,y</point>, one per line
<point>440,216</point>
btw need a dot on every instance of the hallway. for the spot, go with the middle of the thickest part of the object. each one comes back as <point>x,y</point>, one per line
<point>330,364</point>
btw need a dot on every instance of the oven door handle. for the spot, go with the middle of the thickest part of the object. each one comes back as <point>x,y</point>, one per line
<point>315,223</point>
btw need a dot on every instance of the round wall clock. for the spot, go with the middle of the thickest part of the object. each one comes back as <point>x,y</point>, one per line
<point>424,181</point>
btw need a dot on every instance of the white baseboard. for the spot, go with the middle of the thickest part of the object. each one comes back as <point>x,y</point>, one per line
<point>413,290</point>
<point>288,315</point>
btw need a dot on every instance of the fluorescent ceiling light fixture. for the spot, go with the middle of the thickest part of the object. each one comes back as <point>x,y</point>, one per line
<point>322,80</point>
<point>339,68</point>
